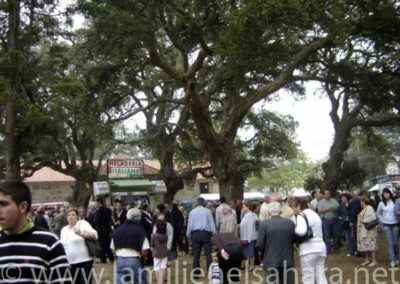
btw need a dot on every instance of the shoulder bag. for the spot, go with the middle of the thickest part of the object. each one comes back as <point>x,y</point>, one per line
<point>308,235</point>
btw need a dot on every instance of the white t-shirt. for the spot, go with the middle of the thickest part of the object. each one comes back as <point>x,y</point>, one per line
<point>74,245</point>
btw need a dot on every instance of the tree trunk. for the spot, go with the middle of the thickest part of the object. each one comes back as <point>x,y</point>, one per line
<point>218,146</point>
<point>81,192</point>
<point>12,151</point>
<point>232,186</point>
<point>172,181</point>
<point>333,166</point>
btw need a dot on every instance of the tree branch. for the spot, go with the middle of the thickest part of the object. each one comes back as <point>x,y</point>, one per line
<point>197,64</point>
<point>156,60</point>
<point>287,73</point>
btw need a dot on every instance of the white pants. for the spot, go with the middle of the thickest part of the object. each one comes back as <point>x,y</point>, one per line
<point>160,263</point>
<point>313,269</point>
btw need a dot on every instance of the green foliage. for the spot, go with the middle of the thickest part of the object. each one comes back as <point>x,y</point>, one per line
<point>312,183</point>
<point>372,151</point>
<point>285,175</point>
<point>353,176</point>
<point>271,141</point>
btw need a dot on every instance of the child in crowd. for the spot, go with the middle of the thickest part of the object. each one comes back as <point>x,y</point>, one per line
<point>158,245</point>
<point>214,272</point>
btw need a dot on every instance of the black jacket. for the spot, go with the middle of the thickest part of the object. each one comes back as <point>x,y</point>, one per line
<point>102,220</point>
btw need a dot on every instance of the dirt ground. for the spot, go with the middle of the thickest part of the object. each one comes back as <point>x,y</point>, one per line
<point>340,269</point>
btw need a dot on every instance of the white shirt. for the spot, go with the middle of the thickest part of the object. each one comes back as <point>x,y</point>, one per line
<point>74,245</point>
<point>316,244</point>
<point>386,213</point>
<point>125,252</point>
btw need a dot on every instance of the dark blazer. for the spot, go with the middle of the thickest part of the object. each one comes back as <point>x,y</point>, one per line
<point>275,238</point>
<point>121,218</point>
<point>102,220</point>
<point>354,208</point>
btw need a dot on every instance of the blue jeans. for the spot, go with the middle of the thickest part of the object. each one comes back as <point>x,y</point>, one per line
<point>392,236</point>
<point>130,268</point>
<point>350,240</point>
<point>329,229</point>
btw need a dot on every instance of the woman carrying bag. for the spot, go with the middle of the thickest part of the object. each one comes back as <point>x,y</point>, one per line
<point>367,235</point>
<point>73,239</point>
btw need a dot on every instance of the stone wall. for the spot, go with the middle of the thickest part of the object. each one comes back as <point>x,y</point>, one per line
<point>50,191</point>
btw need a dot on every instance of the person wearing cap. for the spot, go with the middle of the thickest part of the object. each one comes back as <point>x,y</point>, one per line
<point>130,245</point>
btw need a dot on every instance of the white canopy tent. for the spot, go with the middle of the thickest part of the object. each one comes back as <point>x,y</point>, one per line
<point>374,188</point>
<point>247,196</point>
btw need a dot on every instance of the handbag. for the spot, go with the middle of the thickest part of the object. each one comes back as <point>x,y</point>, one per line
<point>308,235</point>
<point>346,225</point>
<point>371,224</point>
<point>93,247</point>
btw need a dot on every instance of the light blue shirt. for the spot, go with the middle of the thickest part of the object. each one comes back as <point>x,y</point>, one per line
<point>200,219</point>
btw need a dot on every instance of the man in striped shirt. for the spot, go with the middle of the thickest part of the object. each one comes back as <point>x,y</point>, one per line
<point>28,254</point>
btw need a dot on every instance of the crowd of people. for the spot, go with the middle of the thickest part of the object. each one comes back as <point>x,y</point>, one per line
<point>235,236</point>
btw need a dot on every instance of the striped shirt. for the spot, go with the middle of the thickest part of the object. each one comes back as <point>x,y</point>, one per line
<point>34,256</point>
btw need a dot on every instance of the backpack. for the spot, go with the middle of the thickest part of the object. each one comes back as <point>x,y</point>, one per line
<point>309,234</point>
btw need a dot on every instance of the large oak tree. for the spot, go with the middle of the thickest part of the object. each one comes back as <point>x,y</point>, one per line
<point>226,56</point>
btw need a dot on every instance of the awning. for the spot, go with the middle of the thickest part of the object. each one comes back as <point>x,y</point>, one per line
<point>131,185</point>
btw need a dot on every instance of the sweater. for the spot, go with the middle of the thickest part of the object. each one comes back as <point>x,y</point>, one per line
<point>34,256</point>
<point>129,235</point>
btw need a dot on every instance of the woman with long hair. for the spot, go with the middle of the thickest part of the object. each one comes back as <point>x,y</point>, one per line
<point>312,252</point>
<point>387,217</point>
<point>73,238</point>
<point>158,245</point>
<point>367,237</point>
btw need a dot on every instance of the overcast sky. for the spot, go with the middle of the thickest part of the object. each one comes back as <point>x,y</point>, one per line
<point>315,129</point>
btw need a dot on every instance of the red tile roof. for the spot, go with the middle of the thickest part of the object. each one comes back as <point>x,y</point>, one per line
<point>47,174</point>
